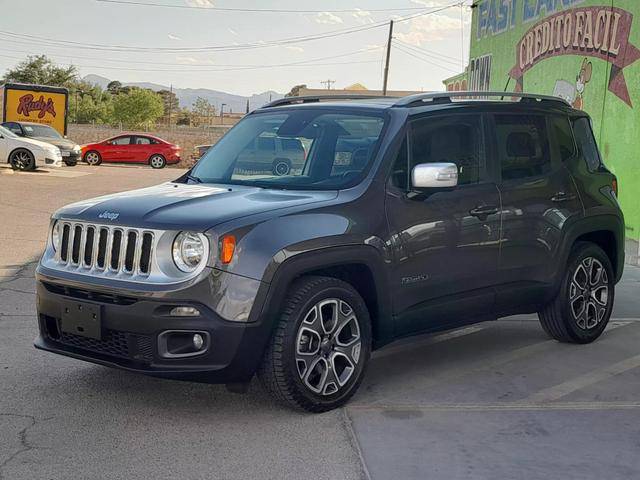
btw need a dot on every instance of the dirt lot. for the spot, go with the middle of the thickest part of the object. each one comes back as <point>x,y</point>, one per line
<point>497,400</point>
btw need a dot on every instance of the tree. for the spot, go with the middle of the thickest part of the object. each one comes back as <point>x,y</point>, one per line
<point>203,111</point>
<point>137,108</point>
<point>40,70</point>
<point>295,91</point>
<point>170,103</point>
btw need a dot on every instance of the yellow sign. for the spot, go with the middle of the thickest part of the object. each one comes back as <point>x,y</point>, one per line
<point>36,106</point>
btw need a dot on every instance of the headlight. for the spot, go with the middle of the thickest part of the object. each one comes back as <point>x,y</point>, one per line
<point>55,235</point>
<point>189,250</point>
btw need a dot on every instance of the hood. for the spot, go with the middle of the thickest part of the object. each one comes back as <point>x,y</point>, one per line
<point>61,143</point>
<point>32,141</point>
<point>176,206</point>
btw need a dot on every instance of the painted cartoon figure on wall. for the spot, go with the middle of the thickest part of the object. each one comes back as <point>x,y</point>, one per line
<point>573,92</point>
<point>584,77</point>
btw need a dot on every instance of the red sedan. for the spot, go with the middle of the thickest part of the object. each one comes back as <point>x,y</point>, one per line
<point>132,148</point>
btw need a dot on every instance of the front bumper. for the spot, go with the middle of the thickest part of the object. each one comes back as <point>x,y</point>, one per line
<point>70,156</point>
<point>131,326</point>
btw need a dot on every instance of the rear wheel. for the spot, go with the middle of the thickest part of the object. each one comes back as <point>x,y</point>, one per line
<point>157,161</point>
<point>319,350</point>
<point>281,167</point>
<point>581,310</point>
<point>22,159</point>
<point>93,158</point>
<point>70,163</point>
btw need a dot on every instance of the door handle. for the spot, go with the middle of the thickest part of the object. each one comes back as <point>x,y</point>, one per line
<point>482,212</point>
<point>562,197</point>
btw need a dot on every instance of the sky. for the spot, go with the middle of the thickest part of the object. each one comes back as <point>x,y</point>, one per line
<point>199,44</point>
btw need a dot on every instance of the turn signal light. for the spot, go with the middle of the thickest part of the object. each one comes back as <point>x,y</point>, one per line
<point>227,249</point>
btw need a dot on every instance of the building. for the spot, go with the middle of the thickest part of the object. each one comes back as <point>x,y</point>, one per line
<point>585,51</point>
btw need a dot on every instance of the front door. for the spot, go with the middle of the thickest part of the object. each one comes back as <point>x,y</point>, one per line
<point>446,242</point>
<point>117,149</point>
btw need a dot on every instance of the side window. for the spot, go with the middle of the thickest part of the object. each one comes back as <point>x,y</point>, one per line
<point>266,144</point>
<point>400,173</point>
<point>523,146</point>
<point>586,142</point>
<point>121,141</point>
<point>143,141</point>
<point>454,139</point>
<point>14,127</point>
<point>564,143</point>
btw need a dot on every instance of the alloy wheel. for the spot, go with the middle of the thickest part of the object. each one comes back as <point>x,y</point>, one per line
<point>328,346</point>
<point>157,161</point>
<point>589,293</point>
<point>92,158</point>
<point>281,169</point>
<point>21,160</point>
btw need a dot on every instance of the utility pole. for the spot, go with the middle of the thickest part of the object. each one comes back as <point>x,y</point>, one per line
<point>386,65</point>
<point>328,83</point>
<point>170,104</point>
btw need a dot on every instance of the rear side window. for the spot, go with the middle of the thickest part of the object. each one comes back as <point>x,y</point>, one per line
<point>586,142</point>
<point>563,137</point>
<point>143,141</point>
<point>523,146</point>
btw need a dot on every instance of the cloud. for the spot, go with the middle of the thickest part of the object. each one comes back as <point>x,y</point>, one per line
<point>232,31</point>
<point>199,3</point>
<point>429,28</point>
<point>362,16</point>
<point>373,48</point>
<point>186,60</point>
<point>173,37</point>
<point>327,18</point>
<point>293,48</point>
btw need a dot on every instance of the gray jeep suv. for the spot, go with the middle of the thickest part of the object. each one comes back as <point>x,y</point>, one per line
<point>409,215</point>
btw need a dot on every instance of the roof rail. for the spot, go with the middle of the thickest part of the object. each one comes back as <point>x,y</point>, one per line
<point>446,97</point>
<point>318,98</point>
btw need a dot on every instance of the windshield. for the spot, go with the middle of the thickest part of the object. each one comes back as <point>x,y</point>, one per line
<point>40,131</point>
<point>300,149</point>
<point>7,133</point>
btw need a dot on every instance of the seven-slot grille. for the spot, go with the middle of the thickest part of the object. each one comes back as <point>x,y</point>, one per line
<point>106,248</point>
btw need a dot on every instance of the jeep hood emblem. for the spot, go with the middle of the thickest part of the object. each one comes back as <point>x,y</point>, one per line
<point>109,215</point>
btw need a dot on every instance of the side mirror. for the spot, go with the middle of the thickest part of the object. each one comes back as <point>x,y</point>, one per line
<point>434,175</point>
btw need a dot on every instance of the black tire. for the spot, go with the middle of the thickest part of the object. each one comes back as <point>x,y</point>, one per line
<point>281,371</point>
<point>561,317</point>
<point>281,167</point>
<point>22,159</point>
<point>93,158</point>
<point>70,163</point>
<point>157,161</point>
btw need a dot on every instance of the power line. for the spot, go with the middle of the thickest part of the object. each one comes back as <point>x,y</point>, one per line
<point>430,62</point>
<point>428,54</point>
<point>257,10</point>
<point>285,41</point>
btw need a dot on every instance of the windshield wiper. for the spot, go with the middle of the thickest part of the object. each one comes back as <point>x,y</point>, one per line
<point>194,178</point>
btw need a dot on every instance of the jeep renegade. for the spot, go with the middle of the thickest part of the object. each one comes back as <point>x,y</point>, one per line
<point>409,215</point>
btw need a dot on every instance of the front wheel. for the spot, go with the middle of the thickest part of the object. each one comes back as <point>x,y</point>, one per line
<point>319,350</point>
<point>157,161</point>
<point>70,163</point>
<point>23,160</point>
<point>93,158</point>
<point>581,310</point>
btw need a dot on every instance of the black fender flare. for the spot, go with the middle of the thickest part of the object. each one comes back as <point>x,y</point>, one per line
<point>280,274</point>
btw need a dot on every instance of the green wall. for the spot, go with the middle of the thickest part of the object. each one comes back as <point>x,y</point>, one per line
<point>514,34</point>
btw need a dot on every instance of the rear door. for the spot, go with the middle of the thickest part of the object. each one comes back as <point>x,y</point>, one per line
<point>446,241</point>
<point>142,148</point>
<point>538,199</point>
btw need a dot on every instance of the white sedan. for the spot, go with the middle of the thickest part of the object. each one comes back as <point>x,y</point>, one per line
<point>27,154</point>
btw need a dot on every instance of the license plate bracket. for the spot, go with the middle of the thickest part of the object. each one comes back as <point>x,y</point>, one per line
<point>80,318</point>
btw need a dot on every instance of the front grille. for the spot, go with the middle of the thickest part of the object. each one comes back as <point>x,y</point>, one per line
<point>127,251</point>
<point>84,294</point>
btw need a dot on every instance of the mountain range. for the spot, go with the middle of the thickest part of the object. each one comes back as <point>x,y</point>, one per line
<point>186,96</point>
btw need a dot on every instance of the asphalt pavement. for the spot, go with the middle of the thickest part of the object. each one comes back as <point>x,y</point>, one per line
<point>497,400</point>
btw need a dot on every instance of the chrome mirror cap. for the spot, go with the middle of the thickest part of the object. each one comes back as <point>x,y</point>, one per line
<point>434,175</point>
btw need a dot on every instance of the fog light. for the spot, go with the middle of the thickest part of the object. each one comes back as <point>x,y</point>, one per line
<point>184,312</point>
<point>198,341</point>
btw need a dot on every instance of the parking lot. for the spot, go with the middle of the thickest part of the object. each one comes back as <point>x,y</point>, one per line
<point>491,401</point>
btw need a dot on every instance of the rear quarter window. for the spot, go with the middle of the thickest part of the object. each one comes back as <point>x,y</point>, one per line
<point>586,142</point>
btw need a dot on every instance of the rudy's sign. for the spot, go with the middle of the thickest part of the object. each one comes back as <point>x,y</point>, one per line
<point>600,32</point>
<point>38,104</point>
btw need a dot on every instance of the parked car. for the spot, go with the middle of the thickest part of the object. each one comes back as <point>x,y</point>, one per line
<point>26,153</point>
<point>271,154</point>
<point>70,150</point>
<point>132,148</point>
<point>447,209</point>
<point>199,151</point>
